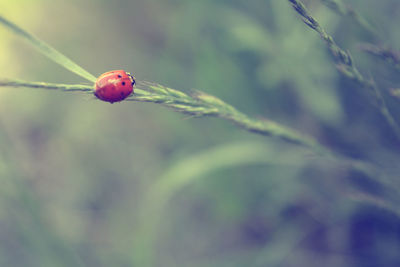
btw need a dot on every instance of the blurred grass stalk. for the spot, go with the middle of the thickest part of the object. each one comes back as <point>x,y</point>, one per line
<point>345,65</point>
<point>197,167</point>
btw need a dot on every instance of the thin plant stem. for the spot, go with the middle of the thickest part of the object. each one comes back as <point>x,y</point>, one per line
<point>197,104</point>
<point>43,85</point>
<point>345,65</point>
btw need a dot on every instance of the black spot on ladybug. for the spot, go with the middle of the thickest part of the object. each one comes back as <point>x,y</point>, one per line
<point>119,76</point>
<point>122,94</point>
<point>123,83</point>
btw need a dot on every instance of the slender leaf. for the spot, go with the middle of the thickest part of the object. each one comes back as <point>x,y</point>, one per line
<point>47,50</point>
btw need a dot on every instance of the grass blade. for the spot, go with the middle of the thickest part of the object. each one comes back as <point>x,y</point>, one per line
<point>47,50</point>
<point>196,105</point>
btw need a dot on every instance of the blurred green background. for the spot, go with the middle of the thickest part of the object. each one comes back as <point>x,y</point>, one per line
<point>86,183</point>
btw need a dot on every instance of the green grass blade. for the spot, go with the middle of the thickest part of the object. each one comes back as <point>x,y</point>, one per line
<point>47,50</point>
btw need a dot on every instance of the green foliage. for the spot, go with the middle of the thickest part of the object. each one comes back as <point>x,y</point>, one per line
<point>86,183</point>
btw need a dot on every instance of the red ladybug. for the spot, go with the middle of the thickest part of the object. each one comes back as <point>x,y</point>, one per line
<point>114,86</point>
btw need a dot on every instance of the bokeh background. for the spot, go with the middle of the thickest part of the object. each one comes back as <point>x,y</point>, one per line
<point>86,183</point>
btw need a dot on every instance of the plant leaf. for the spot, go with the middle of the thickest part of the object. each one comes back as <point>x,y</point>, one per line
<point>47,50</point>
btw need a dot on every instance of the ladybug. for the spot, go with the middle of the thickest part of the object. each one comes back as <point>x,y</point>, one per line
<point>114,86</point>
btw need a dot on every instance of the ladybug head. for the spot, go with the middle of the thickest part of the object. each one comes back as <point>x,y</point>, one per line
<point>133,81</point>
